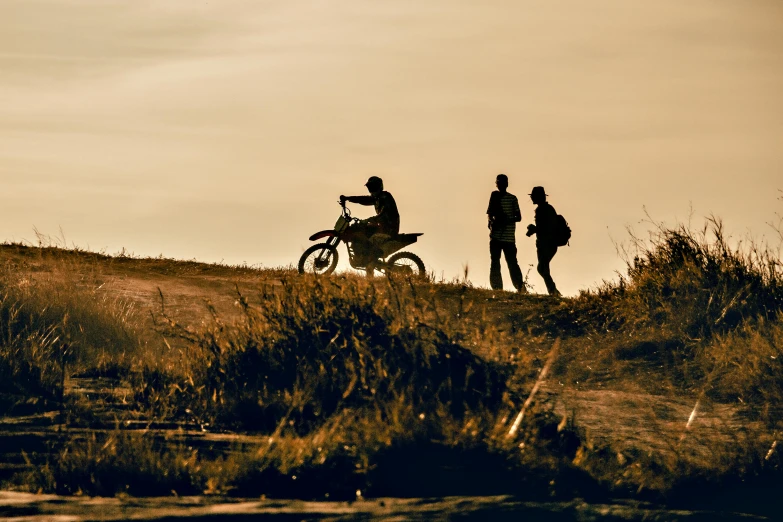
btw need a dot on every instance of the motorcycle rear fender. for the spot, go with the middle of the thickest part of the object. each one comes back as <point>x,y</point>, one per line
<point>324,233</point>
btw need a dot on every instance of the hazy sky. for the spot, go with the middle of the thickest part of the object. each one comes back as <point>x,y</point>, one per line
<point>226,130</point>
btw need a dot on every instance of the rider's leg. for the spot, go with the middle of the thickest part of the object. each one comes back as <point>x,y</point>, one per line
<point>375,252</point>
<point>360,242</point>
<point>379,238</point>
<point>370,269</point>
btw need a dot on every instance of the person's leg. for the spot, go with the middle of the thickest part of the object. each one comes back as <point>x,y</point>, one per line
<point>545,254</point>
<point>369,270</point>
<point>375,252</point>
<point>361,243</point>
<point>510,252</point>
<point>377,240</point>
<point>495,279</point>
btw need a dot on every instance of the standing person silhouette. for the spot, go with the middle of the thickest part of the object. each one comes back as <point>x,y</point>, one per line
<point>545,230</point>
<point>503,215</point>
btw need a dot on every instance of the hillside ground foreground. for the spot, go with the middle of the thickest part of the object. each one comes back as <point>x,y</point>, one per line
<point>202,386</point>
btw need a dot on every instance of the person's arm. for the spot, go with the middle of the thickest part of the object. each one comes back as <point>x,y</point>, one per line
<point>545,222</point>
<point>551,221</point>
<point>517,217</point>
<point>491,206</point>
<point>532,229</point>
<point>490,211</point>
<point>495,213</point>
<point>361,200</point>
<point>386,212</point>
<point>382,207</point>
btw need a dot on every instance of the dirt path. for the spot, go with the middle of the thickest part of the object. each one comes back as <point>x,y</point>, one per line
<point>636,423</point>
<point>22,506</point>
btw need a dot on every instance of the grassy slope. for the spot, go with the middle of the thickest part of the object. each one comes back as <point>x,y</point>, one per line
<point>354,383</point>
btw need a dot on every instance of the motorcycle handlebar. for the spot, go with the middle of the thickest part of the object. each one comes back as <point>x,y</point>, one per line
<point>346,211</point>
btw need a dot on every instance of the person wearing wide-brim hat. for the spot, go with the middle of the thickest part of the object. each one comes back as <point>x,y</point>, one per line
<point>544,229</point>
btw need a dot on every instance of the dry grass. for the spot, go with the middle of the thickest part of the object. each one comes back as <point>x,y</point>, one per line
<point>56,324</point>
<point>351,383</point>
<point>136,464</point>
<point>316,346</point>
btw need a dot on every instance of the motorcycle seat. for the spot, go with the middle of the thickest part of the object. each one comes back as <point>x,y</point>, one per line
<point>403,237</point>
<point>397,242</point>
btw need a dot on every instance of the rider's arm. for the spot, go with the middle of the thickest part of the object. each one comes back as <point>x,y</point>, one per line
<point>361,200</point>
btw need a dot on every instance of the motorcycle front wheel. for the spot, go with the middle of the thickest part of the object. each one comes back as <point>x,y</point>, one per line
<point>320,259</point>
<point>408,264</point>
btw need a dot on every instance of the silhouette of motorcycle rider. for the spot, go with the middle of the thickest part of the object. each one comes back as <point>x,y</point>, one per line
<point>370,234</point>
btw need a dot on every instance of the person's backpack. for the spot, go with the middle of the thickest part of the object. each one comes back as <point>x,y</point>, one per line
<point>562,231</point>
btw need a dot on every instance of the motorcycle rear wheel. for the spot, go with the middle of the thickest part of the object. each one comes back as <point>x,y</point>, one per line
<point>320,259</point>
<point>407,263</point>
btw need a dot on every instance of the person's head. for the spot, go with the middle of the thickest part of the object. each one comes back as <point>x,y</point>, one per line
<point>501,182</point>
<point>374,184</point>
<point>538,195</point>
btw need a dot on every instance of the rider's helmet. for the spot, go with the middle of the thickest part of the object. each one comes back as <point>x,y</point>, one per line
<point>374,184</point>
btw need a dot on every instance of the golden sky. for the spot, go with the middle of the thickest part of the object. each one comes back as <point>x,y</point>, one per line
<point>226,130</point>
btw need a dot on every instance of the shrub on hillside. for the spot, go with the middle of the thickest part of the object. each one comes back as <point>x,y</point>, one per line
<point>746,365</point>
<point>693,312</point>
<point>684,285</point>
<point>52,327</point>
<point>316,347</point>
<point>693,285</point>
<point>124,463</point>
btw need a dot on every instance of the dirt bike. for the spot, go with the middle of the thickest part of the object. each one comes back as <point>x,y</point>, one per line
<point>322,258</point>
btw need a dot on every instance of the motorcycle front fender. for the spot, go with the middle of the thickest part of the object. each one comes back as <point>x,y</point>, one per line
<point>322,234</point>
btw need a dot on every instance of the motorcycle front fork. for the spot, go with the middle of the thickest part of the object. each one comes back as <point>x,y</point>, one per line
<point>332,241</point>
